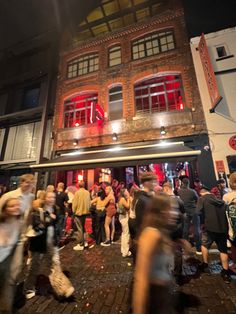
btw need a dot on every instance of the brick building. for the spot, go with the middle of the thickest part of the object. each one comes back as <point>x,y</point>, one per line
<point>127,81</point>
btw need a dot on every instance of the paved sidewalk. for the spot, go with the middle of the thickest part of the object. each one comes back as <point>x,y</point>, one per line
<point>102,279</point>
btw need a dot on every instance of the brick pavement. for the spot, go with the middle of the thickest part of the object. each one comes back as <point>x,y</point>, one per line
<point>102,278</point>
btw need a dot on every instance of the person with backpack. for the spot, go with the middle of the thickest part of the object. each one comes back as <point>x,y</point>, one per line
<point>216,230</point>
<point>230,200</point>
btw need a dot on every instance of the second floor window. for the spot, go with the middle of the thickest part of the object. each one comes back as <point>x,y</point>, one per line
<point>31,97</point>
<point>159,94</point>
<point>83,65</point>
<point>115,103</point>
<point>77,110</point>
<point>114,56</point>
<point>153,44</point>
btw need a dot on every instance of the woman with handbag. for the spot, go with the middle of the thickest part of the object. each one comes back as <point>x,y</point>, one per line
<point>10,227</point>
<point>43,218</point>
<point>123,208</point>
<point>99,202</point>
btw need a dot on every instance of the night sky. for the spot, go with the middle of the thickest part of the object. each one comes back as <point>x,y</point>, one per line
<point>22,19</point>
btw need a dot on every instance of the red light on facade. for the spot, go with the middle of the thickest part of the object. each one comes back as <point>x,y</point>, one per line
<point>77,124</point>
<point>80,177</point>
<point>181,106</point>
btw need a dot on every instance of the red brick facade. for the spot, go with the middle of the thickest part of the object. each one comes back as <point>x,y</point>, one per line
<point>130,129</point>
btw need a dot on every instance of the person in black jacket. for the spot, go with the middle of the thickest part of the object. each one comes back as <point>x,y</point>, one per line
<point>216,229</point>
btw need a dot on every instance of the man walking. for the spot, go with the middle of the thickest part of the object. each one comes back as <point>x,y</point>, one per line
<point>216,230</point>
<point>80,207</point>
<point>190,197</point>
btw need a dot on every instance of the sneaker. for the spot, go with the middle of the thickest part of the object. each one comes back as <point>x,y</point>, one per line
<point>86,244</point>
<point>28,262</point>
<point>78,248</point>
<point>106,243</point>
<point>91,246</point>
<point>29,294</point>
<point>127,255</point>
<point>204,268</point>
<point>199,252</point>
<point>225,276</point>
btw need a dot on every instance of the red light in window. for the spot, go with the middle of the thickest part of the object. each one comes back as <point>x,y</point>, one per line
<point>77,124</point>
<point>181,105</point>
<point>80,177</point>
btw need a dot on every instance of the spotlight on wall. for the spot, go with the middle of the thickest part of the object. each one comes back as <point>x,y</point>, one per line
<point>75,142</point>
<point>114,137</point>
<point>163,130</point>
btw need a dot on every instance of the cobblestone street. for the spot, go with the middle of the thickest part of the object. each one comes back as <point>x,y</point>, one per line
<point>102,279</point>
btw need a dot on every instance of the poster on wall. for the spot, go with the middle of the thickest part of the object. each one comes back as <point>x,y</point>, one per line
<point>220,169</point>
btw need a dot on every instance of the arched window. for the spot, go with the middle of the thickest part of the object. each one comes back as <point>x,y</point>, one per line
<point>115,103</point>
<point>114,55</point>
<point>77,109</point>
<point>153,44</point>
<point>158,94</point>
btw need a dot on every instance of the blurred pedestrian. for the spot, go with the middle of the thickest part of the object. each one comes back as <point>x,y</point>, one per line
<point>152,277</point>
<point>61,202</point>
<point>10,227</point>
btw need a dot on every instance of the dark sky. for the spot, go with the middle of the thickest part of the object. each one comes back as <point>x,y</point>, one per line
<point>23,19</point>
<point>209,15</point>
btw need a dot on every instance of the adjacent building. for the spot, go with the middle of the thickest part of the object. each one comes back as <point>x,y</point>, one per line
<point>127,98</point>
<point>27,89</point>
<point>215,67</point>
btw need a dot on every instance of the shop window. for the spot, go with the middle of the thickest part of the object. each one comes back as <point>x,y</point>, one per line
<point>115,103</point>
<point>77,110</point>
<point>159,94</point>
<point>83,65</point>
<point>153,44</point>
<point>30,97</point>
<point>114,56</point>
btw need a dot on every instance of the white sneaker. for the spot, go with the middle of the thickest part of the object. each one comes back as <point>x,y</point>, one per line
<point>28,262</point>
<point>29,294</point>
<point>86,244</point>
<point>127,255</point>
<point>78,248</point>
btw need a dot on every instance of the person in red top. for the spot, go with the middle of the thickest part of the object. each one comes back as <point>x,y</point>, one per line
<point>219,190</point>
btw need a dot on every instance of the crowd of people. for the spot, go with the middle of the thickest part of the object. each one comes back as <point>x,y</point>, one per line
<point>157,224</point>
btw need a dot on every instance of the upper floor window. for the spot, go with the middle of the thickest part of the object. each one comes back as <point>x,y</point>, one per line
<point>30,97</point>
<point>114,56</point>
<point>83,65</point>
<point>153,44</point>
<point>77,110</point>
<point>115,103</point>
<point>159,94</point>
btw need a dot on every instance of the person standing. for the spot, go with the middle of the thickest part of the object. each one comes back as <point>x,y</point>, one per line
<point>10,226</point>
<point>61,201</point>
<point>190,198</point>
<point>220,189</point>
<point>229,198</point>
<point>123,210</point>
<point>110,216</point>
<point>80,207</point>
<point>216,230</point>
<point>71,190</point>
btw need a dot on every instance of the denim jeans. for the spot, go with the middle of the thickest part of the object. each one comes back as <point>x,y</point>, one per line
<point>195,220</point>
<point>80,226</point>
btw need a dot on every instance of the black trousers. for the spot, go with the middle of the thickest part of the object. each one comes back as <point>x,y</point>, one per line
<point>99,227</point>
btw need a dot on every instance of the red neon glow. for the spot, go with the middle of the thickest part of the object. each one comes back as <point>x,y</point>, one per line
<point>77,124</point>
<point>80,177</point>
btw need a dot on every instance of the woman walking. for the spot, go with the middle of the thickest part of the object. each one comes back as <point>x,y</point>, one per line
<point>152,279</point>
<point>123,210</point>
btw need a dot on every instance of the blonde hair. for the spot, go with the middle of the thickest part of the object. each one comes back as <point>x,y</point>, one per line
<point>232,181</point>
<point>26,177</point>
<point>50,188</point>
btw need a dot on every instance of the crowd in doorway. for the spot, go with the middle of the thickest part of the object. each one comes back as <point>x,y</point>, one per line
<point>158,224</point>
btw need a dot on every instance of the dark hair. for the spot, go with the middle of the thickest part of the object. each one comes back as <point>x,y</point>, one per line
<point>185,181</point>
<point>81,184</point>
<point>153,218</point>
<point>102,194</point>
<point>220,181</point>
<point>147,176</point>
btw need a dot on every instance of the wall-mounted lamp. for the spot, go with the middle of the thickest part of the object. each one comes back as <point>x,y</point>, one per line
<point>114,137</point>
<point>75,142</point>
<point>163,130</point>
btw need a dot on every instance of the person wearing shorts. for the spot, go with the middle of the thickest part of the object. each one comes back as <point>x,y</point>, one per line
<point>216,230</point>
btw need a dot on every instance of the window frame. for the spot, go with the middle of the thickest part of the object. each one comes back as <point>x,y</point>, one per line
<point>109,51</point>
<point>145,39</point>
<point>84,58</point>
<point>110,102</point>
<point>91,97</point>
<point>164,93</point>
